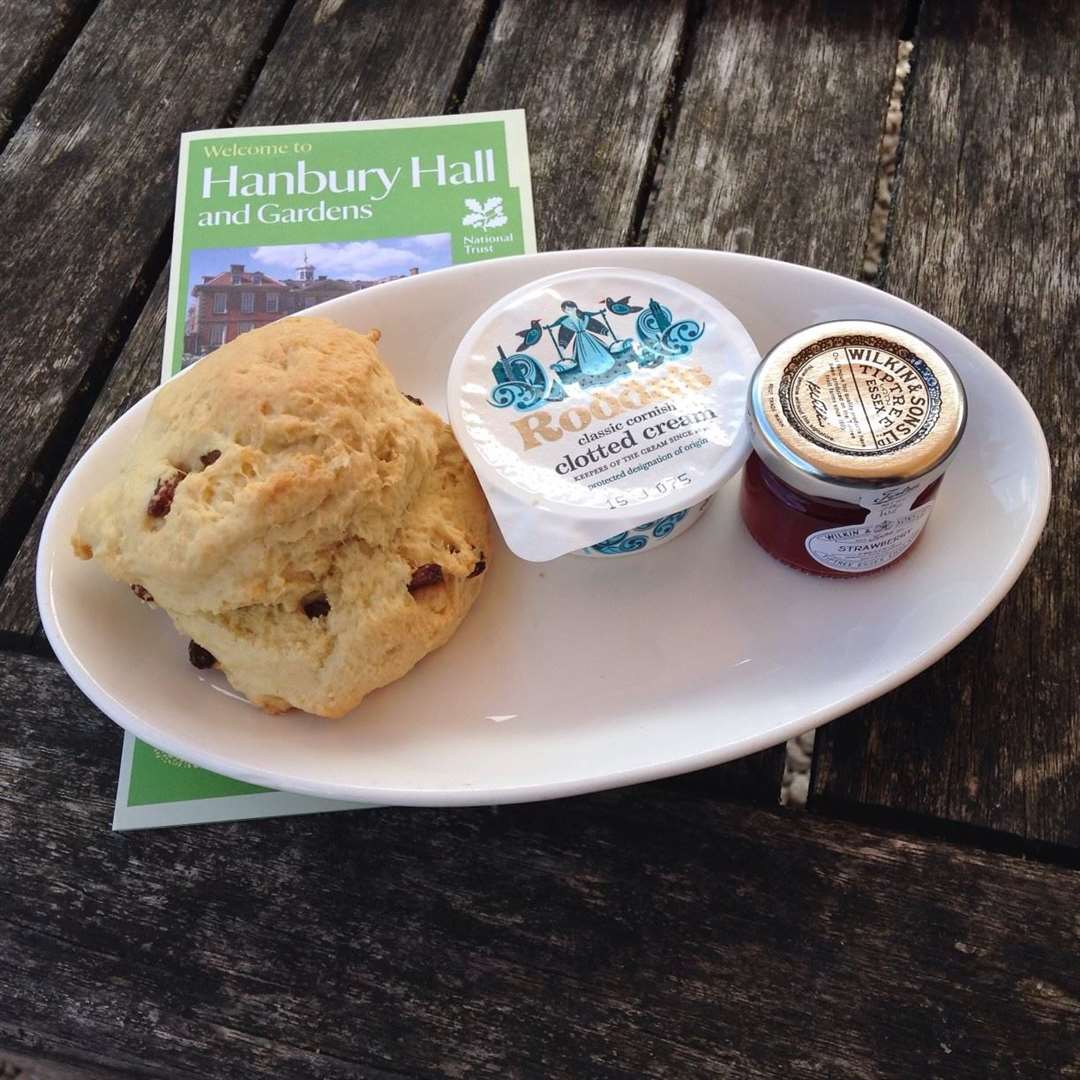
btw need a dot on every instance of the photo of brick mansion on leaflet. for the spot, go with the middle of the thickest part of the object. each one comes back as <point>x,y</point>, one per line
<point>236,300</point>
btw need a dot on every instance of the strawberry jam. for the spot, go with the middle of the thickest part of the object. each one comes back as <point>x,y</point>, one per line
<point>853,424</point>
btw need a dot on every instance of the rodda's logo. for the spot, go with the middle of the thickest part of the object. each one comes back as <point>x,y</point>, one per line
<point>655,394</point>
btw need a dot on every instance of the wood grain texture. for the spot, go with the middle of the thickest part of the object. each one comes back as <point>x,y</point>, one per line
<point>88,182</point>
<point>32,1067</point>
<point>633,934</point>
<point>135,374</point>
<point>986,236</point>
<point>34,39</point>
<point>593,79</point>
<point>346,61</point>
<point>774,146</point>
<point>400,67</point>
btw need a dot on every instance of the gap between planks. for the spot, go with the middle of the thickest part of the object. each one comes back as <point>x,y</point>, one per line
<point>666,123</point>
<point>795,781</point>
<point>471,58</point>
<point>23,101</point>
<point>798,763</point>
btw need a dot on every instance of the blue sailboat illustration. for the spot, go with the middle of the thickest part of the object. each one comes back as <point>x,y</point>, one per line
<point>589,351</point>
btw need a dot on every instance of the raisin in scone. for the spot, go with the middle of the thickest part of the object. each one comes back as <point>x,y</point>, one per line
<point>311,528</point>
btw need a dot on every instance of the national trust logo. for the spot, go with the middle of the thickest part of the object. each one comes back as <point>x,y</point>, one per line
<point>485,215</point>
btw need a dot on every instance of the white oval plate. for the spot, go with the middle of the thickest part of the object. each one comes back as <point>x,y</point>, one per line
<point>583,674</point>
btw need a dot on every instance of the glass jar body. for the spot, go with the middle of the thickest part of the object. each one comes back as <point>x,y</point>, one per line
<point>783,519</point>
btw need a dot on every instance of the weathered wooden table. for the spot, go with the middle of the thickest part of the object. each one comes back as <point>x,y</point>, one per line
<point>921,917</point>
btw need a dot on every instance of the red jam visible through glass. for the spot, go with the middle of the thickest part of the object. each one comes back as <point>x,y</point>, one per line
<point>780,518</point>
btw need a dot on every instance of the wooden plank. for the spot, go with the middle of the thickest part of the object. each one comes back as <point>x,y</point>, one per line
<point>23,1067</point>
<point>752,779</point>
<point>134,375</point>
<point>739,176</point>
<point>88,185</point>
<point>400,67</point>
<point>342,61</point>
<point>774,145</point>
<point>35,38</point>
<point>986,236</point>
<point>631,934</point>
<point>593,79</point>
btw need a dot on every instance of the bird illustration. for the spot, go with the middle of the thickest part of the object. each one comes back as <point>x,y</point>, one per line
<point>620,307</point>
<point>532,335</point>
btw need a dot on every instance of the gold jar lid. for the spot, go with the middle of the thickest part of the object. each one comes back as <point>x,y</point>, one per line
<point>855,403</point>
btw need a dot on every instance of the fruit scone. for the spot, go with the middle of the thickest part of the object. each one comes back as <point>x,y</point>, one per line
<point>314,531</point>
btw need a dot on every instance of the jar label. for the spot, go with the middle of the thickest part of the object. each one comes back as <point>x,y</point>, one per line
<point>891,527</point>
<point>860,394</point>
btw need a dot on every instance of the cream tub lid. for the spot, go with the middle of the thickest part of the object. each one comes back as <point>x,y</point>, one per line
<point>593,400</point>
<point>855,402</point>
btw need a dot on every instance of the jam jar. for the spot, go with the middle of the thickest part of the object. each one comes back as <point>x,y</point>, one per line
<point>852,424</point>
